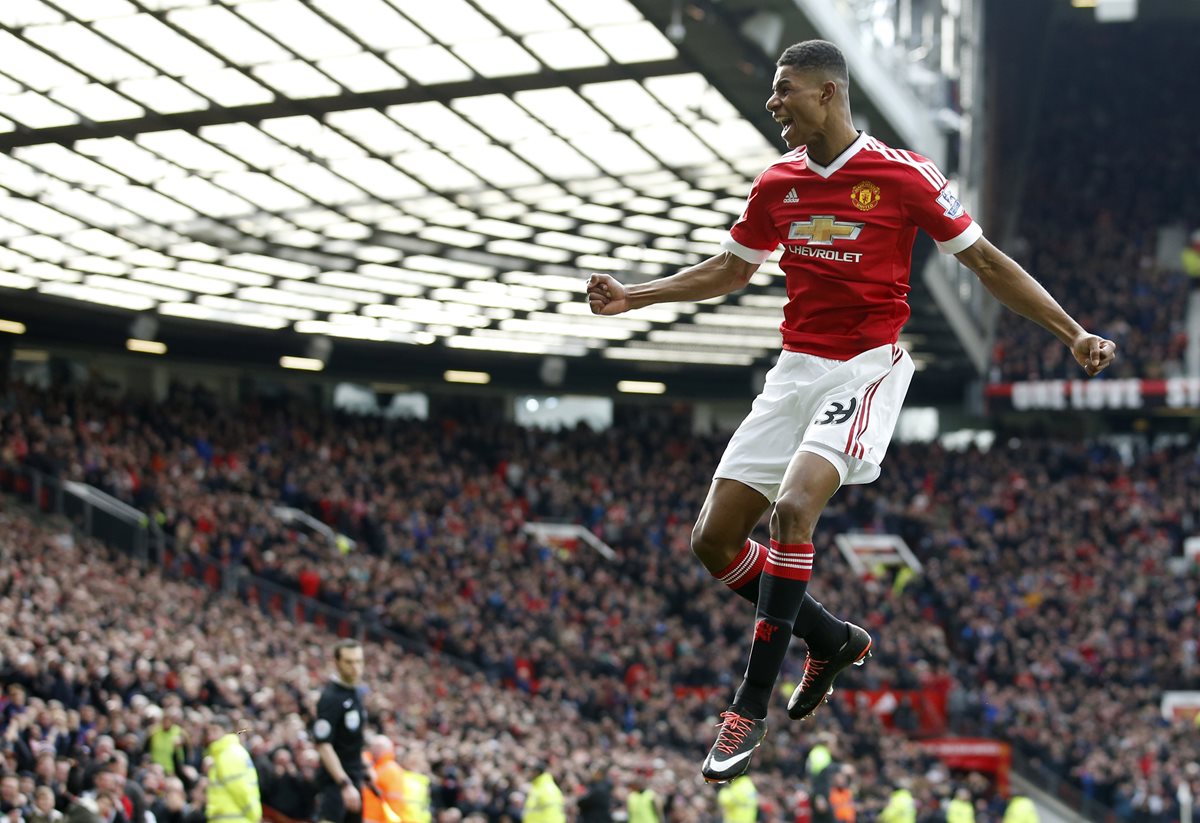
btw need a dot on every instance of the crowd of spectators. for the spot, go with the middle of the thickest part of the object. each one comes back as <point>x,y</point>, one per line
<point>1098,187</point>
<point>97,655</point>
<point>1047,598</point>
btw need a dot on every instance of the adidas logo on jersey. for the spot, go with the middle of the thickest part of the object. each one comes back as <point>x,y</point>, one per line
<point>791,197</point>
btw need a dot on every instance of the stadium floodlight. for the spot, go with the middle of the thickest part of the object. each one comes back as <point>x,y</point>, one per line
<point>301,363</point>
<point>641,387</point>
<point>145,346</point>
<point>457,376</point>
<point>1116,11</point>
<point>11,326</point>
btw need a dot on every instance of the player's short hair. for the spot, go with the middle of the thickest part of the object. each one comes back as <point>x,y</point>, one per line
<point>817,55</point>
<point>344,644</point>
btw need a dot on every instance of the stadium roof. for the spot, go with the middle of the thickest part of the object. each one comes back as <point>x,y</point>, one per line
<point>438,175</point>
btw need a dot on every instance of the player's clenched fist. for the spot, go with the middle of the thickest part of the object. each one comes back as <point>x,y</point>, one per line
<point>1093,353</point>
<point>605,295</point>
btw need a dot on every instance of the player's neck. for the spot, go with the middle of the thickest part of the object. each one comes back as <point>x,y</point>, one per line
<point>826,148</point>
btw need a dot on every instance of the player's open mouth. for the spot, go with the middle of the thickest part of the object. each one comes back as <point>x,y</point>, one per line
<point>786,124</point>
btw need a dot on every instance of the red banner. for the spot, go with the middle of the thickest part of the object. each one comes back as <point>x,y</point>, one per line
<point>974,754</point>
<point>1093,395</point>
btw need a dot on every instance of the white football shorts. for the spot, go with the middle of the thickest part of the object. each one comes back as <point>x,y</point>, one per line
<point>842,410</point>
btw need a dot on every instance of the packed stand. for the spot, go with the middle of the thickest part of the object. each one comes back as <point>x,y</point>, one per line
<point>100,660</point>
<point>1098,187</point>
<point>1027,547</point>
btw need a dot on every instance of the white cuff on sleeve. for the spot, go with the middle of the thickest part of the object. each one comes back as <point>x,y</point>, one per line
<point>968,236</point>
<point>755,256</point>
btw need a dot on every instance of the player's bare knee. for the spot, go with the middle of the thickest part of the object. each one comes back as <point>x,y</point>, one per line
<point>714,549</point>
<point>795,518</point>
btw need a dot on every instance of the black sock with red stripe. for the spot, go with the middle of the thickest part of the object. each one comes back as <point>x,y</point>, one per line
<point>781,590</point>
<point>815,624</point>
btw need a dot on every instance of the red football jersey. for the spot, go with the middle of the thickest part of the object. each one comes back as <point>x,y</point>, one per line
<point>847,231</point>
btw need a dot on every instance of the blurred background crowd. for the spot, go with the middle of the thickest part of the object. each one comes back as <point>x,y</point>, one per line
<point>1047,613</point>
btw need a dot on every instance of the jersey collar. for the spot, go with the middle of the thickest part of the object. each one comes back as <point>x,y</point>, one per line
<point>842,159</point>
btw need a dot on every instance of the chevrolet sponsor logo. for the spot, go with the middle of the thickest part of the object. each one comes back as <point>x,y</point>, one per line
<point>824,229</point>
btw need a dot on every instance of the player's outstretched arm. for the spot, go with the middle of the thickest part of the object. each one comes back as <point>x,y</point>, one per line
<point>1015,288</point>
<point>713,277</point>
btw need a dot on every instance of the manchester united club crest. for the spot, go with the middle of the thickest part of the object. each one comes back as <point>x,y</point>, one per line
<point>865,196</point>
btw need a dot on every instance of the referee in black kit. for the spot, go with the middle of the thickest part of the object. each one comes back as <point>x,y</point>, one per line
<point>338,732</point>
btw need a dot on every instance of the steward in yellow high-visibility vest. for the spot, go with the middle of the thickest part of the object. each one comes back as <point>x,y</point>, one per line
<point>232,795</point>
<point>544,803</point>
<point>738,801</point>
<point>961,809</point>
